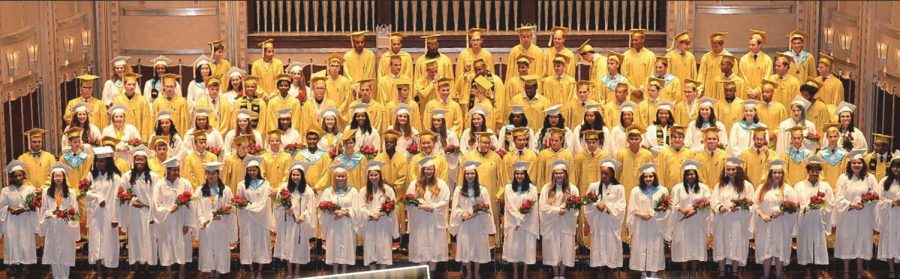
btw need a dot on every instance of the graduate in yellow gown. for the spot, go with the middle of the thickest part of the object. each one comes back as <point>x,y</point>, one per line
<point>683,64</point>
<point>253,102</point>
<point>403,91</point>
<point>428,148</point>
<point>276,161</point>
<point>378,117</point>
<point>756,64</point>
<point>317,159</point>
<point>803,63</point>
<point>817,112</point>
<point>468,92</point>
<point>728,74</point>
<point>712,157</point>
<point>359,62</point>
<point>710,64</point>
<point>426,85</point>
<point>267,68</point>
<point>533,102</point>
<point>160,145</point>
<point>646,113</point>
<point>558,85</point>
<point>474,51</point>
<point>835,157</point>
<point>338,87</point>
<point>219,65</point>
<point>729,109</point>
<point>396,49</point>
<point>587,161</point>
<point>36,160</point>
<point>879,160</point>
<point>796,155</point>
<point>832,90</point>
<point>432,52</point>
<point>598,65</point>
<point>547,156</point>
<point>612,78</point>
<point>672,157</point>
<point>632,157</point>
<point>192,165</point>
<point>395,161</point>
<point>639,61</point>
<point>613,108</point>
<point>76,158</point>
<point>557,46</point>
<point>686,110</point>
<point>788,85</point>
<point>573,111</point>
<point>137,109</point>
<point>670,85</point>
<point>173,102</point>
<point>387,90</point>
<point>282,100</point>
<point>756,159</point>
<point>513,87</point>
<point>234,171</point>
<point>96,108</point>
<point>453,116</point>
<point>769,111</point>
<point>527,47</point>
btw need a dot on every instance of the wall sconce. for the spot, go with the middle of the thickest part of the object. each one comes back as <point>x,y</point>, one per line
<point>882,54</point>
<point>32,52</point>
<point>847,44</point>
<point>829,38</point>
<point>12,61</point>
<point>69,44</point>
<point>85,40</point>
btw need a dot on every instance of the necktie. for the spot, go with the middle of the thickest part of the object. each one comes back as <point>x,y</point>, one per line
<point>754,56</point>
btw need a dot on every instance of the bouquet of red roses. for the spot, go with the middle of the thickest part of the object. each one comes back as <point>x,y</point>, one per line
<point>69,214</point>
<point>83,187</point>
<point>701,204</point>
<point>282,199</point>
<point>388,206</point>
<point>223,210</point>
<point>502,152</point>
<point>184,198</point>
<point>240,202</point>
<point>410,200</point>
<point>870,197</point>
<point>589,198</point>
<point>813,137</point>
<point>255,150</point>
<point>817,201</point>
<point>369,151</point>
<point>482,207</point>
<point>742,203</point>
<point>573,202</point>
<point>135,142</point>
<point>301,96</point>
<point>789,207</point>
<point>413,149</point>
<point>33,200</point>
<point>663,204</point>
<point>526,207</point>
<point>293,148</point>
<point>335,151</point>
<point>214,151</point>
<point>329,207</point>
<point>125,195</point>
<point>451,149</point>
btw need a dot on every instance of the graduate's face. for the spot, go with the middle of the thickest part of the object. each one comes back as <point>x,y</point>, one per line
<point>856,165</point>
<point>359,43</point>
<point>725,66</point>
<point>592,144</point>
<point>275,143</point>
<point>612,66</point>
<point>677,140</point>
<point>519,175</point>
<point>396,45</point>
<point>374,176</point>
<point>470,175</point>
<point>213,90</point>
<point>759,141</point>
<point>634,140</point>
<point>312,140</point>
<point>522,68</point>
<point>484,146</point>
<point>444,91</point>
<point>589,117</point>
<point>129,87</point>
<point>749,113</point>
<point>241,150</point>
<point>559,175</point>
<point>717,46</point>
<point>436,122</point>
<point>647,178</point>
<point>845,118</point>
<point>730,92</point>
<point>172,173</point>
<point>690,176</point>
<point>553,119</point>
<point>243,123</point>
<point>118,118</point>
<point>637,41</point>
<point>365,91</point>
<point>477,120</point>
<point>334,68</point>
<point>797,140</point>
<point>427,144</point>
<point>396,66</point>
<point>559,68</point>
<point>823,69</point>
<point>690,93</point>
<point>712,142</point>
<point>390,143</point>
<point>705,112</point>
<point>781,66</point>
<point>403,92</point>
<point>767,94</point>
<point>559,40</point>
<point>621,94</point>
<point>555,142</point>
<point>796,112</point>
<point>268,53</point>
<point>525,39</point>
<point>284,123</point>
<point>86,90</point>
<point>165,125</point>
<point>162,150</point>
<point>169,88</point>
<point>475,41</point>
<point>797,45</point>
<point>349,146</point>
<point>212,177</point>
<point>330,121</point>
<point>296,175</point>
<point>431,71</point>
<point>531,90</point>
<point>628,118</point>
<point>582,93</point>
<point>778,175</point>
<point>204,70</point>
<point>219,53</point>
<point>360,118</point>
<point>17,177</point>
<point>82,116</point>
<point>813,172</point>
<point>895,168</point>
<point>120,70</point>
<point>754,45</point>
<point>661,68</point>
<point>235,82</point>
<point>250,89</point>
<point>36,143</point>
<point>140,162</point>
<point>59,177</point>
<point>402,118</point>
<point>160,69</point>
<point>730,171</point>
<point>340,177</point>
<point>284,87</point>
<point>521,142</point>
<point>253,172</point>
<point>319,91</point>
<point>432,46</point>
<point>833,137</point>
<point>663,115</point>
<point>684,45</point>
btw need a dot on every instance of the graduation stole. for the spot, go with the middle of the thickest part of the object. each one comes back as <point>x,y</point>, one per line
<point>611,81</point>
<point>800,59</point>
<point>661,137</point>
<point>873,163</point>
<point>120,85</point>
<point>667,78</point>
<point>797,155</point>
<point>75,160</point>
<point>833,158</point>
<point>312,158</point>
<point>650,191</point>
<point>255,183</point>
<point>351,162</point>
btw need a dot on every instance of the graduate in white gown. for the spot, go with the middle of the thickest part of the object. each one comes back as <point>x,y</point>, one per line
<point>256,220</point>
<point>379,229</point>
<point>730,233</point>
<point>102,211</point>
<point>338,226</point>
<point>647,223</point>
<point>854,220</point>
<point>297,221</point>
<point>20,224</point>
<point>557,221</point>
<point>740,136</point>
<point>471,227</point>
<point>216,221</point>
<point>689,225</point>
<point>772,227</point>
<point>606,217</point>
<point>173,221</point>
<point>888,214</point>
<point>520,229</point>
<point>815,220</point>
<point>59,234</point>
<point>428,221</point>
<point>137,214</point>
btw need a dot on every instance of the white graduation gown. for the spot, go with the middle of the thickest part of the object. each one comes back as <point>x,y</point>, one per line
<point>558,231</point>
<point>377,235</point>
<point>647,235</point>
<point>606,225</point>
<point>256,221</point>
<point>169,235</point>
<point>731,233</point>
<point>136,221</point>
<point>814,224</point>
<point>472,235</point>
<point>428,230</point>
<point>689,235</point>
<point>520,231</point>
<point>292,238</point>
<point>215,235</point>
<point>888,221</point>
<point>103,238</point>
<point>853,228</point>
<point>18,230</point>
<point>59,234</point>
<point>773,238</point>
<point>340,234</point>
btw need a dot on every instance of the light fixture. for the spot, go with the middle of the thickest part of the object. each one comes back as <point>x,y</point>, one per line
<point>847,44</point>
<point>85,40</point>
<point>69,44</point>
<point>898,58</point>
<point>882,54</point>
<point>12,61</point>
<point>829,38</point>
<point>32,51</point>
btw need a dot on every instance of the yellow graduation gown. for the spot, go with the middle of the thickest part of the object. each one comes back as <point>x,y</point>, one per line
<point>534,110</point>
<point>221,67</point>
<point>771,114</point>
<point>545,164</point>
<point>76,173</point>
<point>638,65</point>
<point>686,112</point>
<point>37,169</point>
<point>551,52</point>
<point>756,165</point>
<point>453,118</point>
<point>682,65</point>
<point>671,91</point>
<point>181,114</point>
<point>834,166</point>
<point>710,72</point>
<point>527,155</point>
<point>445,67</point>
<point>319,163</point>
<point>598,70</point>
<point>356,172</point>
<point>359,66</point>
<point>754,70</point>
<point>877,166</point>
<point>277,166</point>
<point>97,108</point>
<point>818,114</point>
<point>441,167</point>
<point>386,90</point>
<point>611,114</point>
<point>257,105</point>
<point>713,164</point>
<point>338,91</point>
<point>631,163</point>
<point>377,115</point>
<point>788,88</point>
<point>670,162</point>
<point>558,89</point>
<point>537,64</point>
<point>574,113</point>
<point>156,166</point>
<point>406,63</point>
<point>137,113</point>
<point>646,112</point>
<point>192,167</point>
<point>729,113</point>
<point>222,117</point>
<point>803,66</point>
<point>794,171</point>
<point>467,56</point>
<point>490,171</point>
<point>426,90</point>
<point>513,87</point>
<point>739,83</point>
<point>233,171</point>
<point>266,72</point>
<point>276,103</point>
<point>586,168</point>
<point>415,116</point>
<point>832,90</point>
